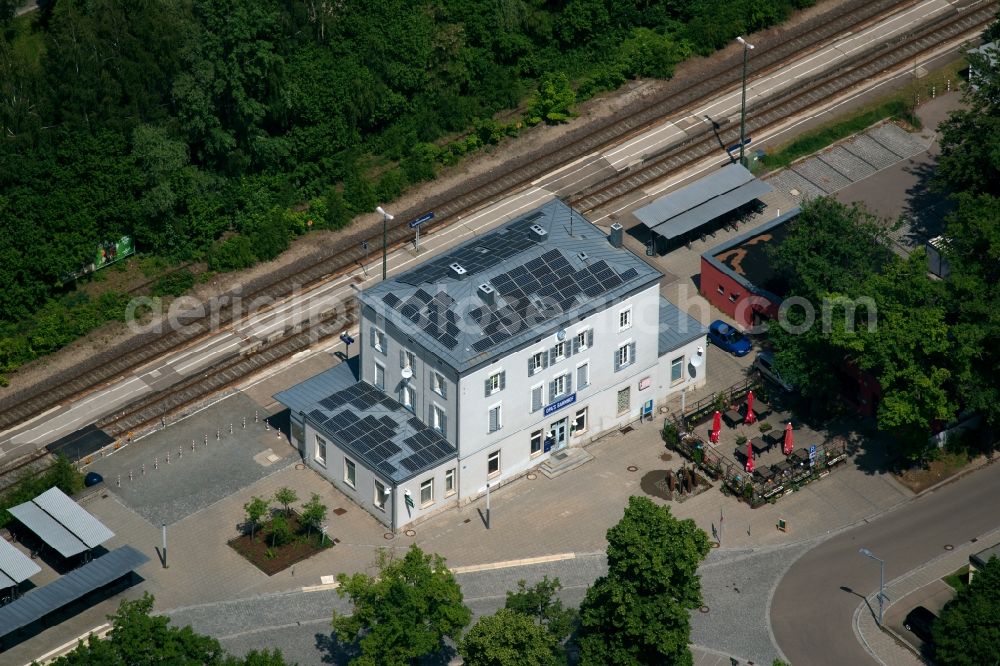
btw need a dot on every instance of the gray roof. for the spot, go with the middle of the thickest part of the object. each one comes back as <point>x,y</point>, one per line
<point>702,201</point>
<point>79,521</point>
<point>539,282</point>
<point>15,566</point>
<point>48,529</point>
<point>38,603</point>
<point>61,523</point>
<point>677,328</point>
<point>368,424</point>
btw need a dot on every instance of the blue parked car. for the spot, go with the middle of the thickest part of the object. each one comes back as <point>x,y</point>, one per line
<point>728,338</point>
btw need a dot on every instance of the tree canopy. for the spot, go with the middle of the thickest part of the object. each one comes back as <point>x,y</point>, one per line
<point>638,612</point>
<point>508,638</point>
<point>404,613</point>
<point>966,632</point>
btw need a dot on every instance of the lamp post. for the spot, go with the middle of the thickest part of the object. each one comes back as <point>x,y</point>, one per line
<point>385,239</point>
<point>881,580</point>
<point>747,47</point>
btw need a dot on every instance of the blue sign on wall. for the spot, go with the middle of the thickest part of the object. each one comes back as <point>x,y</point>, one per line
<point>559,404</point>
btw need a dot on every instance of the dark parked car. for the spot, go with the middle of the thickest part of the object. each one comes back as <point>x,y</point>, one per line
<point>919,621</point>
<point>728,338</point>
<point>92,479</point>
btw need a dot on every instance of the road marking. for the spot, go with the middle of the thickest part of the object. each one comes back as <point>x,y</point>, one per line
<point>30,421</point>
<point>513,563</point>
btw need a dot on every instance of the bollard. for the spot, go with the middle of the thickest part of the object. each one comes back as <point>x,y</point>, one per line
<point>218,435</point>
<point>180,452</point>
<point>949,85</point>
<point>130,475</point>
<point>192,445</point>
<point>163,422</point>
<point>156,463</point>
<point>267,426</point>
<point>255,417</point>
<point>277,432</point>
<point>119,480</point>
<point>206,439</point>
<point>168,457</point>
<point>144,469</point>
<point>230,428</point>
<point>933,92</point>
<point>244,423</point>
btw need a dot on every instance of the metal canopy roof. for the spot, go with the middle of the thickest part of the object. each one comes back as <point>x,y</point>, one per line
<point>78,520</point>
<point>97,573</point>
<point>677,328</point>
<point>15,566</point>
<point>702,201</point>
<point>61,523</point>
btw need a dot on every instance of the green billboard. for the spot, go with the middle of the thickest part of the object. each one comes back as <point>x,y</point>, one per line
<point>112,251</point>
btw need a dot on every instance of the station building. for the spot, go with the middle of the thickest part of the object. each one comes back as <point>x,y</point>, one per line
<point>481,362</point>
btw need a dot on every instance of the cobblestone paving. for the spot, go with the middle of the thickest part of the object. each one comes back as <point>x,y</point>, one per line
<point>897,140</point>
<point>871,151</point>
<point>822,175</point>
<point>195,479</point>
<point>788,180</point>
<point>847,163</point>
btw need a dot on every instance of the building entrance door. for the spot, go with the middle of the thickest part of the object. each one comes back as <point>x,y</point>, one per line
<point>559,434</point>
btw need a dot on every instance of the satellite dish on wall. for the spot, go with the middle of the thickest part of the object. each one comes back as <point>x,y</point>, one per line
<point>407,372</point>
<point>698,359</point>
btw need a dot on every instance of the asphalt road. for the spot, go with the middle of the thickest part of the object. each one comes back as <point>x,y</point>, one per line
<point>813,605</point>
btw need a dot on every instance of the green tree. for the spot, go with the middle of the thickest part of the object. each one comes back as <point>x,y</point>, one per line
<point>313,513</point>
<point>540,603</point>
<point>638,612</point>
<point>966,632</point>
<point>405,612</point>
<point>508,638</point>
<point>337,215</point>
<point>279,531</point>
<point>255,509</point>
<point>553,101</point>
<point>285,496</point>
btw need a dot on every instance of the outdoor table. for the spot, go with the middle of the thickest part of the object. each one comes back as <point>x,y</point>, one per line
<point>782,467</point>
<point>764,472</point>
<point>761,409</point>
<point>800,456</point>
<point>733,417</point>
<point>759,446</point>
<point>775,437</point>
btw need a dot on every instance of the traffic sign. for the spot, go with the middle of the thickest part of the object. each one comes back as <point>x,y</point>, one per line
<point>426,217</point>
<point>812,453</point>
<point>409,499</point>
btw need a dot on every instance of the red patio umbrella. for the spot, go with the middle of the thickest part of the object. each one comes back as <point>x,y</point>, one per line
<point>787,448</point>
<point>716,427</point>
<point>749,458</point>
<point>750,418</point>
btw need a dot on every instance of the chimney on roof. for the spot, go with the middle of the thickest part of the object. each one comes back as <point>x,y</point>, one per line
<point>617,237</point>
<point>582,256</point>
<point>487,293</point>
<point>457,270</point>
<point>537,234</point>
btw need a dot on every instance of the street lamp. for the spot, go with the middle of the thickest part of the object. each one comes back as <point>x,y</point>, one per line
<point>881,580</point>
<point>385,239</point>
<point>747,47</point>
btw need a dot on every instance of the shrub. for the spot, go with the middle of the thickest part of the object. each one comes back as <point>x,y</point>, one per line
<point>741,440</point>
<point>765,426</point>
<point>670,434</point>
<point>173,284</point>
<point>280,531</point>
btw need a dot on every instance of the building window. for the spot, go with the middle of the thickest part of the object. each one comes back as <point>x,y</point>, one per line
<point>380,376</point>
<point>536,443</point>
<point>449,482</point>
<point>582,341</point>
<point>536,398</point>
<point>427,493</point>
<point>677,370</point>
<point>559,352</point>
<point>580,421</point>
<point>350,473</point>
<point>582,376</point>
<point>625,319</point>
<point>437,384</point>
<point>406,396</point>
<point>495,383</point>
<point>320,453</point>
<point>437,419</point>
<point>721,289</point>
<point>624,401</point>
<point>495,423</point>
<point>623,356</point>
<point>558,387</point>
<point>378,340</point>
<point>493,464</point>
<point>407,359</point>
<point>536,362</point>
<point>380,495</point>
<point>733,297</point>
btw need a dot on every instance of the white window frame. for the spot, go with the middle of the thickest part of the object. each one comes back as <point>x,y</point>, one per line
<point>380,341</point>
<point>493,455</point>
<point>560,382</point>
<point>438,412</point>
<point>541,443</point>
<point>560,348</point>
<point>375,382</point>
<point>625,318</point>
<point>437,383</point>
<point>405,392</point>
<point>350,469</point>
<point>450,487</point>
<point>540,365</point>
<point>318,443</point>
<point>579,365</point>
<point>576,418</point>
<point>429,484</point>
<point>494,380</point>
<point>581,337</point>
<point>499,407</point>
<point>541,406</point>
<point>674,361</point>
<point>380,495</point>
<point>624,360</point>
<point>410,360</point>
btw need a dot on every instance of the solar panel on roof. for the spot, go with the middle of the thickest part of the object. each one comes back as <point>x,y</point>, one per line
<point>386,468</point>
<point>612,281</point>
<point>411,463</point>
<point>630,274</point>
<point>483,345</point>
<point>391,299</point>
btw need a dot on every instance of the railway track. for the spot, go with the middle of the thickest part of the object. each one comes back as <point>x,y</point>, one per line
<point>773,111</point>
<point>121,360</point>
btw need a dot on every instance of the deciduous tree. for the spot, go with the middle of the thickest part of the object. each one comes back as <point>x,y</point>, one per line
<point>508,638</point>
<point>966,632</point>
<point>255,509</point>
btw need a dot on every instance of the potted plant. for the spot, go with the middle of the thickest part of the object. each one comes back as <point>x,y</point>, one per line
<point>671,435</point>
<point>764,427</point>
<point>741,440</point>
